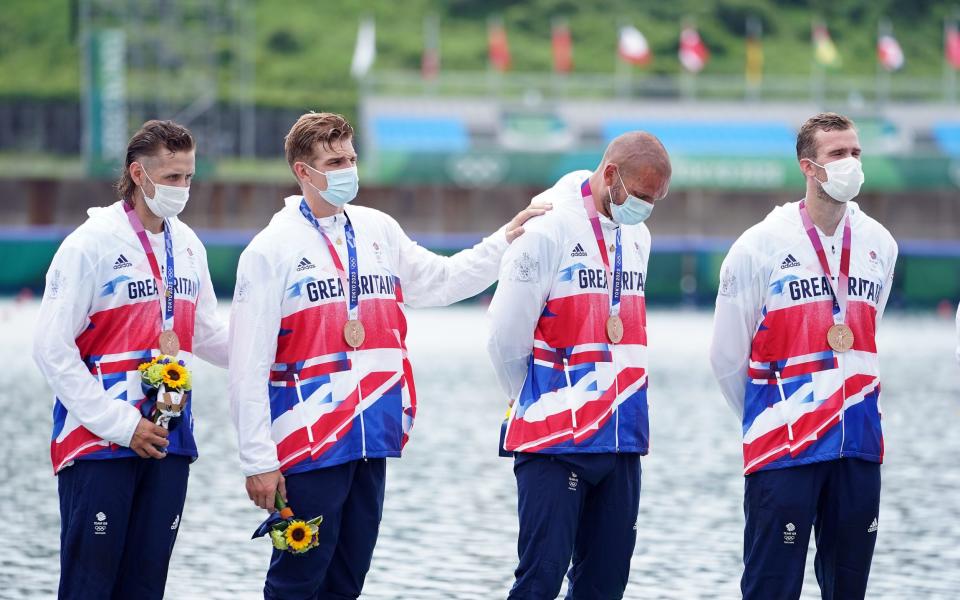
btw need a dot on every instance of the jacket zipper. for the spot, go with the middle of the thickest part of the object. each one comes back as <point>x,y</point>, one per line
<point>573,412</point>
<point>782,405</point>
<point>303,408</point>
<point>616,397</point>
<point>99,373</point>
<point>363,428</point>
<point>843,407</point>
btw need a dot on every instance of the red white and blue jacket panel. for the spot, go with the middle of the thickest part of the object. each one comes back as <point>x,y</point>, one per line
<point>302,398</point>
<point>803,402</point>
<point>578,393</point>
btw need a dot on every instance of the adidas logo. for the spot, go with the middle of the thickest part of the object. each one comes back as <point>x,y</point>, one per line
<point>121,263</point>
<point>305,264</point>
<point>873,526</point>
<point>789,262</point>
<point>578,251</point>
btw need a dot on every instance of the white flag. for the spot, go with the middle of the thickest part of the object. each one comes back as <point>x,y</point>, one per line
<point>632,46</point>
<point>365,50</point>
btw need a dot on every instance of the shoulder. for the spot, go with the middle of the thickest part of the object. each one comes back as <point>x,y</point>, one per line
<point>367,214</point>
<point>184,234</point>
<point>875,232</point>
<point>92,239</point>
<point>551,224</point>
<point>640,232</point>
<point>369,221</point>
<point>758,239</point>
<point>83,244</point>
<point>274,243</point>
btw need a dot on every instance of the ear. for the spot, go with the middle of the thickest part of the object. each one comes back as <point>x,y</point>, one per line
<point>300,170</point>
<point>609,174</point>
<point>135,170</point>
<point>808,168</point>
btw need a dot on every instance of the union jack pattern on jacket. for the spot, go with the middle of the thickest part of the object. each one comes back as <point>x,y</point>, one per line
<point>574,391</point>
<point>302,399</point>
<point>800,401</point>
<point>101,318</point>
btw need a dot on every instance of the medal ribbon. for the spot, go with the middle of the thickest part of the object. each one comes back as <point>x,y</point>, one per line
<point>351,280</point>
<point>167,295</point>
<point>839,296</point>
<point>617,276</point>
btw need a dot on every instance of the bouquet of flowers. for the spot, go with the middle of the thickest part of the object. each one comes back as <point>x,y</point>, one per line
<point>166,380</point>
<point>288,533</point>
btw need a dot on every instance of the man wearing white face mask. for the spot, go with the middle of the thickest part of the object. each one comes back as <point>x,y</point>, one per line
<point>794,350</point>
<point>568,343</point>
<point>128,284</point>
<point>321,388</point>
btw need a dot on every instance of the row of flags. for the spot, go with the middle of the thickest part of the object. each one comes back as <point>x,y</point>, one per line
<point>633,48</point>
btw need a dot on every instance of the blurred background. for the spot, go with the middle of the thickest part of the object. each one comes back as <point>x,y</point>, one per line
<point>464,110</point>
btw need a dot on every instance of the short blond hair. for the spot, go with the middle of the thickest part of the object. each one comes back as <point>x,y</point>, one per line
<point>827,121</point>
<point>312,129</point>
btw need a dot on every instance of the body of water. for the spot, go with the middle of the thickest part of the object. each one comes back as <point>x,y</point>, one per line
<point>449,525</point>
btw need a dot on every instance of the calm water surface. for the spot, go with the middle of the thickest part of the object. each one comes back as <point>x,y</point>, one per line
<point>449,525</point>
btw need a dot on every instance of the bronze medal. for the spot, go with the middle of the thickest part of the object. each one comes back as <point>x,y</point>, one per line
<point>840,337</point>
<point>615,329</point>
<point>169,343</point>
<point>353,333</point>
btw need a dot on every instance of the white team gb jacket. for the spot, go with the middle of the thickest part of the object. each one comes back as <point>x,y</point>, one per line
<point>301,398</point>
<point>101,317</point>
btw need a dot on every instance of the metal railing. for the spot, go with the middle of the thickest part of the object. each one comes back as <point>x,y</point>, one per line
<point>819,86</point>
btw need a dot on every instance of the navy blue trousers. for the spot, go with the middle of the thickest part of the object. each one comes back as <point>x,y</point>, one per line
<point>350,498</point>
<point>119,519</point>
<point>839,500</point>
<point>576,506</point>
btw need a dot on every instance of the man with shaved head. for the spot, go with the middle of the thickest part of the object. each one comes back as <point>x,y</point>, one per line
<point>569,345</point>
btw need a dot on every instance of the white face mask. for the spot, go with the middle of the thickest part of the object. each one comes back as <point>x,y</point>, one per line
<point>168,200</point>
<point>844,178</point>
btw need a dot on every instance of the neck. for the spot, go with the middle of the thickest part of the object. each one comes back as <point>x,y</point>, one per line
<point>598,190</point>
<point>825,213</point>
<point>320,207</point>
<point>151,222</point>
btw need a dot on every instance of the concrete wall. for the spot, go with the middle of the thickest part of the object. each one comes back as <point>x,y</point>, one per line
<point>449,210</point>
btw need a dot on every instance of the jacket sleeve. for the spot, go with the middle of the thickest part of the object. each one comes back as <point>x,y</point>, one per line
<point>64,314</point>
<point>525,280</point>
<point>887,283</point>
<point>430,279</point>
<point>735,321</point>
<point>210,336</point>
<point>254,324</point>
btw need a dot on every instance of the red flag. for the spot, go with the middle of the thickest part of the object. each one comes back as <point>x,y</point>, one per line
<point>889,52</point>
<point>562,48</point>
<point>951,46</point>
<point>430,62</point>
<point>498,48</point>
<point>693,52</point>
<point>632,46</point>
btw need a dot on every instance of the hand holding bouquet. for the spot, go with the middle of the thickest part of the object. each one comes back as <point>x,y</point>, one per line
<point>167,380</point>
<point>289,533</point>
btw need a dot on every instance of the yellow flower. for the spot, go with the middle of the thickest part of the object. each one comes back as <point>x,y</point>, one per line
<point>147,365</point>
<point>175,376</point>
<point>299,536</point>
